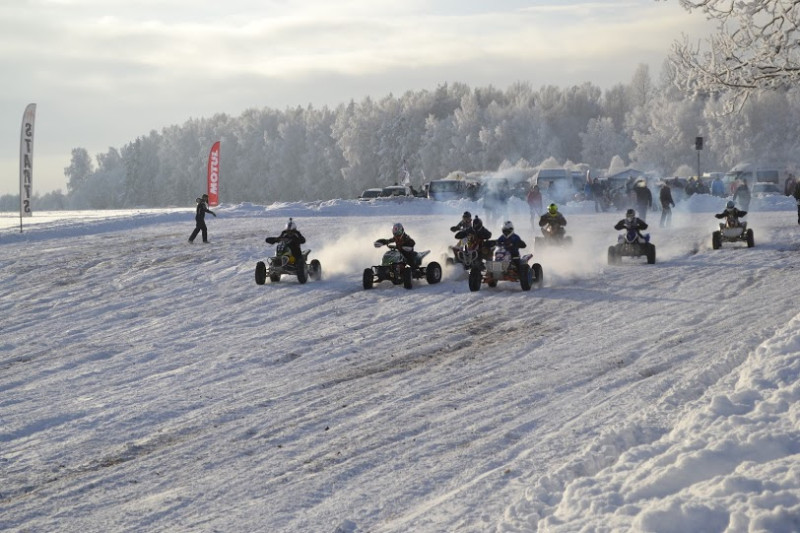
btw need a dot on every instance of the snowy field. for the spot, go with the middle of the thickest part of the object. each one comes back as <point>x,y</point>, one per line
<point>147,384</point>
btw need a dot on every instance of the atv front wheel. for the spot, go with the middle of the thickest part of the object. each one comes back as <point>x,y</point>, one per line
<point>525,276</point>
<point>716,240</point>
<point>302,274</point>
<point>475,279</point>
<point>261,273</point>
<point>750,238</point>
<point>612,256</point>
<point>368,278</point>
<point>408,276</point>
<point>651,254</point>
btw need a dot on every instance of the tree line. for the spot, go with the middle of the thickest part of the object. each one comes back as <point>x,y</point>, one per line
<point>308,153</point>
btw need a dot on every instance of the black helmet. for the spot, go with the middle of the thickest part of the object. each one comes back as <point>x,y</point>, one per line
<point>466,215</point>
<point>477,223</point>
<point>630,214</point>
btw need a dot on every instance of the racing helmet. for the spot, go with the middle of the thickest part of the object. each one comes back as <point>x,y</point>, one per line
<point>730,204</point>
<point>291,226</point>
<point>397,229</point>
<point>630,214</point>
<point>477,223</point>
<point>552,209</point>
<point>467,215</point>
<point>508,228</point>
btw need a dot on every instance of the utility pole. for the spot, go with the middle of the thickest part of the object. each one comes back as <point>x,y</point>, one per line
<point>698,146</point>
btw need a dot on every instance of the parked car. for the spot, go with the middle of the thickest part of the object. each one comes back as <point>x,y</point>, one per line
<point>765,188</point>
<point>396,190</point>
<point>371,193</point>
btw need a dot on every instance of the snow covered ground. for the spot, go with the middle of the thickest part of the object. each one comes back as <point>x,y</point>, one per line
<point>147,384</point>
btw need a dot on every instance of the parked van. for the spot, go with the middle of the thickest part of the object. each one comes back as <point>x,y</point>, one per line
<point>455,189</point>
<point>558,184</point>
<point>752,174</point>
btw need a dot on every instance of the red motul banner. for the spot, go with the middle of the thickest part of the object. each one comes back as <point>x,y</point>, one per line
<point>213,175</point>
<point>26,162</point>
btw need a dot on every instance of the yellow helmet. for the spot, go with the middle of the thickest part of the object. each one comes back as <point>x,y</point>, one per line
<point>552,209</point>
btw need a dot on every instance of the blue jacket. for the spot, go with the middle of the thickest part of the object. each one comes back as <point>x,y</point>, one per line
<point>512,243</point>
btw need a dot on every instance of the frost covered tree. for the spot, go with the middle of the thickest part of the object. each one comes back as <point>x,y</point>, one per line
<point>601,141</point>
<point>664,133</point>
<point>756,47</point>
<point>80,167</point>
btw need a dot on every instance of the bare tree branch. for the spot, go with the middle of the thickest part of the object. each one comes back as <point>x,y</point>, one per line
<point>757,46</point>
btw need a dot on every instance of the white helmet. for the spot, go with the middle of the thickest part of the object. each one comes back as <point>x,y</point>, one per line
<point>508,228</point>
<point>291,226</point>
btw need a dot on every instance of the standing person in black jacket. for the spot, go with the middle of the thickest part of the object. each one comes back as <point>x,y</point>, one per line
<point>200,218</point>
<point>796,194</point>
<point>644,198</point>
<point>667,203</point>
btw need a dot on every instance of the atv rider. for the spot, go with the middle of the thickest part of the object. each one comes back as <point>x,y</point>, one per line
<point>464,223</point>
<point>552,222</point>
<point>480,238</point>
<point>293,238</point>
<point>732,213</point>
<point>511,242</point>
<point>403,242</point>
<point>633,223</point>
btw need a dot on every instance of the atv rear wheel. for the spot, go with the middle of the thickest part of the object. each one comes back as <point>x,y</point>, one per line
<point>538,274</point>
<point>315,270</point>
<point>368,279</point>
<point>475,279</point>
<point>750,238</point>
<point>433,273</point>
<point>261,273</point>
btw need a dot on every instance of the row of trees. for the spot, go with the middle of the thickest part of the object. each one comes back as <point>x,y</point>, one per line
<point>737,90</point>
<point>308,153</point>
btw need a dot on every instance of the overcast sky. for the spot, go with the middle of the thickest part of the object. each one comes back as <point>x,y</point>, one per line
<point>103,72</point>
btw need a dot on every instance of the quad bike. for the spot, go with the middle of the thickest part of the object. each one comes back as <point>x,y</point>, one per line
<point>732,230</point>
<point>394,268</point>
<point>283,262</point>
<point>501,268</point>
<point>552,236</point>
<point>631,244</point>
